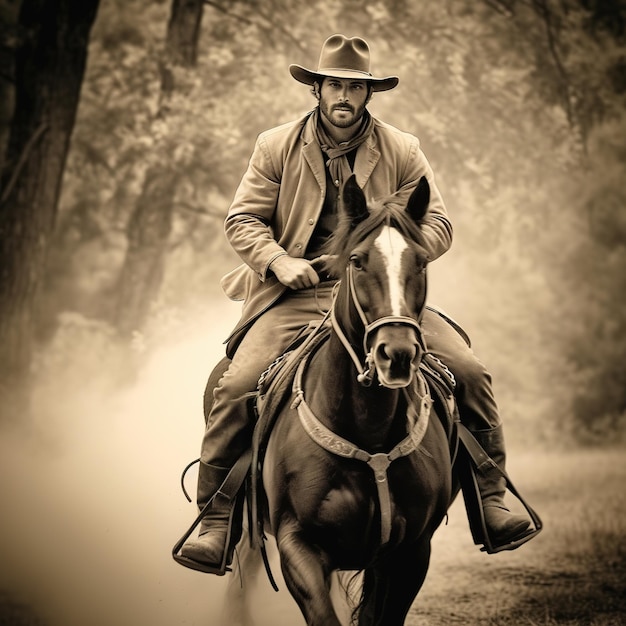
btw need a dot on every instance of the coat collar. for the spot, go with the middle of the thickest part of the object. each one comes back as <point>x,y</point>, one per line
<point>367,156</point>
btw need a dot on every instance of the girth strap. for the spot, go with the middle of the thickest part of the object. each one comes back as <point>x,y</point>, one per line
<point>379,462</point>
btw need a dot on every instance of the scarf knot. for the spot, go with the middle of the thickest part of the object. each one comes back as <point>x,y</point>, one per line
<point>337,161</point>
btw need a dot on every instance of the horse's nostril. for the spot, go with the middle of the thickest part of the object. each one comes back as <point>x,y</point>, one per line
<point>382,352</point>
<point>400,356</point>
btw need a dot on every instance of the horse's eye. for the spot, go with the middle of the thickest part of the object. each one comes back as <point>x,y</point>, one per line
<point>421,266</point>
<point>356,262</point>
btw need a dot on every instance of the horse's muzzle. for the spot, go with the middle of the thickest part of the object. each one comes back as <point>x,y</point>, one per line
<point>397,352</point>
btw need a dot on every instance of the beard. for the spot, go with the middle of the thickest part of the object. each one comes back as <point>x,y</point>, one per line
<point>341,115</point>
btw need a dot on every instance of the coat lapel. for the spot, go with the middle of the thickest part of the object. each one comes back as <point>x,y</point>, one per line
<point>367,156</point>
<point>313,155</point>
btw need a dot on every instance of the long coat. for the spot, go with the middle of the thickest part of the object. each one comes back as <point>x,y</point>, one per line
<point>271,214</point>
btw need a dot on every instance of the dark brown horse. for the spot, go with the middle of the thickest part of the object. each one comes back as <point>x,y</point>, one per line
<point>357,471</point>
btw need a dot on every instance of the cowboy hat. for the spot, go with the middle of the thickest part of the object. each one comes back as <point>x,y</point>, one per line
<point>343,57</point>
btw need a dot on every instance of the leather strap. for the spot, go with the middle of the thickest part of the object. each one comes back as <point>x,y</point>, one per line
<point>482,462</point>
<point>228,491</point>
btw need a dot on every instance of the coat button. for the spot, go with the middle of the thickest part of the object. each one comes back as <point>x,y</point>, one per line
<point>311,221</point>
<point>298,246</point>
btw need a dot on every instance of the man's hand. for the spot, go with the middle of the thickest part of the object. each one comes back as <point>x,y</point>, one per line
<point>294,273</point>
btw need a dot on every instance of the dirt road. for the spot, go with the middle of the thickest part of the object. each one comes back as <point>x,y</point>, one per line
<point>573,573</point>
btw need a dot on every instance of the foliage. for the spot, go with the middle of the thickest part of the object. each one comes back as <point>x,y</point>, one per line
<point>594,287</point>
<point>519,107</point>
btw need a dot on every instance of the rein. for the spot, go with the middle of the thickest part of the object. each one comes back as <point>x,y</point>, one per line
<point>366,372</point>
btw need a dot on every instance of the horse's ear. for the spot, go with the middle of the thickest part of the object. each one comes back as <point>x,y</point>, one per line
<point>418,202</point>
<point>353,201</point>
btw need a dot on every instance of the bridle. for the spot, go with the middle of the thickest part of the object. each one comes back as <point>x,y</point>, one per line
<point>366,371</point>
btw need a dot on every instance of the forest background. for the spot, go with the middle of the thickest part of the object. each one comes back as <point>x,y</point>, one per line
<point>519,107</point>
<point>125,127</point>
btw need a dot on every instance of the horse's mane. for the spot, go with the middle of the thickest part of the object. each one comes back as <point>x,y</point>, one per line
<point>387,211</point>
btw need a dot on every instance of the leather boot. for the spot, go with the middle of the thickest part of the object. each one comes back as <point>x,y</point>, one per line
<point>210,546</point>
<point>503,526</point>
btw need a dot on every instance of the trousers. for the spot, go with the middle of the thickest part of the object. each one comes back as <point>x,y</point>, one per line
<point>228,428</point>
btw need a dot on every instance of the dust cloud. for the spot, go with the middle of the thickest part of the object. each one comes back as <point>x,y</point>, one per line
<point>91,500</point>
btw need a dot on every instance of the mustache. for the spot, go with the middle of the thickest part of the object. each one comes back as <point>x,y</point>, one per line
<point>343,106</point>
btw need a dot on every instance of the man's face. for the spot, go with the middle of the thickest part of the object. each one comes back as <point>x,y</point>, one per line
<point>343,100</point>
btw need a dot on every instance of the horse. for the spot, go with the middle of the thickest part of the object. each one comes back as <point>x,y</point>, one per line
<point>357,469</point>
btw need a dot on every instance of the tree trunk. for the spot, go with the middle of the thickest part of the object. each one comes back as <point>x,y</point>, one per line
<point>49,67</point>
<point>148,232</point>
<point>150,225</point>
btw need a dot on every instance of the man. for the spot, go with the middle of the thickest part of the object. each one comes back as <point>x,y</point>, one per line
<point>283,212</point>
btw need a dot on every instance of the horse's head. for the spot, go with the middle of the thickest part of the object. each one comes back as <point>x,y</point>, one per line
<point>383,263</point>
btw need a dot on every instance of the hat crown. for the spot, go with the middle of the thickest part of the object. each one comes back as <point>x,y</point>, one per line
<point>345,53</point>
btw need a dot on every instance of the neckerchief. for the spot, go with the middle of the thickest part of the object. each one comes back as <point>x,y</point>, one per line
<point>337,162</point>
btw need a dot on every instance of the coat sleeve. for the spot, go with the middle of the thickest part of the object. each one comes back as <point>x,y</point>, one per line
<point>436,226</point>
<point>247,226</point>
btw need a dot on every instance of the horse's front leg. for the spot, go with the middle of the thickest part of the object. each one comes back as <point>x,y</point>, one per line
<point>307,576</point>
<point>391,586</point>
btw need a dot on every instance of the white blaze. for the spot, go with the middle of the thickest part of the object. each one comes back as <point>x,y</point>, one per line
<point>391,245</point>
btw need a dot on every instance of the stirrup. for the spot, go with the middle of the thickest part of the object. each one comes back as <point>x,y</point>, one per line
<point>218,569</point>
<point>473,501</point>
<point>230,490</point>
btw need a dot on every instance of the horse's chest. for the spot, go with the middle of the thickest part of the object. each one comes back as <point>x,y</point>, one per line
<point>344,512</point>
<point>340,505</point>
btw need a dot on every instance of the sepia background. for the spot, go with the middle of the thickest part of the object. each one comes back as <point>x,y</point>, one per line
<point>125,126</point>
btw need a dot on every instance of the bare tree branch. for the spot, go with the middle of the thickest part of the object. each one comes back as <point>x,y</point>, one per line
<point>22,160</point>
<point>268,19</point>
<point>501,7</point>
<point>542,9</point>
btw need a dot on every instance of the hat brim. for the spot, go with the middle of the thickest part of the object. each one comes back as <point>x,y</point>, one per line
<point>308,77</point>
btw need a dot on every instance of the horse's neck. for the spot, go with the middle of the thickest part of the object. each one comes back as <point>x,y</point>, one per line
<point>366,416</point>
